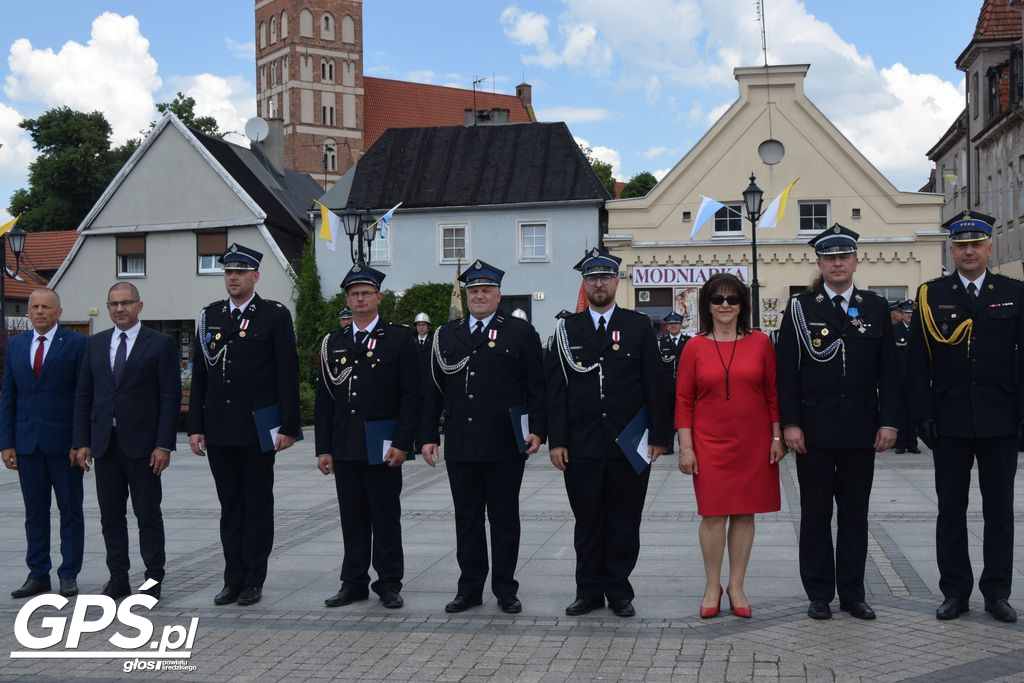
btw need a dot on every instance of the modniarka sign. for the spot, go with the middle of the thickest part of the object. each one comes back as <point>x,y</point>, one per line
<point>657,276</point>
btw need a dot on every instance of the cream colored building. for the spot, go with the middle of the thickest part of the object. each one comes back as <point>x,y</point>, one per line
<point>901,241</point>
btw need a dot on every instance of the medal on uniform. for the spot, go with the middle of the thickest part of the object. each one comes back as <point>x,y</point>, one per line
<point>853,312</point>
<point>824,332</point>
<point>816,343</point>
<point>344,359</point>
<point>213,345</point>
<point>243,324</point>
<point>371,344</point>
<point>615,340</point>
<point>217,336</point>
<point>492,335</point>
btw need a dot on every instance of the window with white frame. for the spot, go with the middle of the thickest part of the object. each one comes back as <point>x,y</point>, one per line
<point>131,255</point>
<point>729,220</point>
<point>813,216</point>
<point>454,243</point>
<point>209,247</point>
<point>533,242</point>
<point>380,250</point>
<point>890,294</point>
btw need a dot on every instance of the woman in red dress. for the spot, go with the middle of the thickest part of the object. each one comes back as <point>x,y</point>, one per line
<point>729,437</point>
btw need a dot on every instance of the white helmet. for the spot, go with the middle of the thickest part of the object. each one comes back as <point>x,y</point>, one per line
<point>421,318</point>
<point>519,313</point>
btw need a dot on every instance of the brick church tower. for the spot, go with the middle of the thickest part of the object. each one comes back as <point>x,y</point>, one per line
<point>309,81</point>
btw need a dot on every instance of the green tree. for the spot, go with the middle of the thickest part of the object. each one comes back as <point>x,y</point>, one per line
<point>639,185</point>
<point>602,169</point>
<point>74,166</point>
<point>313,317</point>
<point>185,109</point>
<point>432,297</point>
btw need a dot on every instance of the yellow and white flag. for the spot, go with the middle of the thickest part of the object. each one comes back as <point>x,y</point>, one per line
<point>6,227</point>
<point>771,216</point>
<point>330,226</point>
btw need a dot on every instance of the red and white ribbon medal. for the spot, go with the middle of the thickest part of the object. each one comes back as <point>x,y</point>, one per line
<point>492,335</point>
<point>616,335</point>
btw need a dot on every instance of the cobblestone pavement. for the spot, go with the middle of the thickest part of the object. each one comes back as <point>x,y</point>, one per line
<point>290,635</point>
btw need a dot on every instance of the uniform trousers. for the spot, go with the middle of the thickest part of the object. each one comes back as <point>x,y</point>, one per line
<point>244,477</point>
<point>491,487</point>
<point>997,466</point>
<point>845,475</point>
<point>371,524</point>
<point>39,474</point>
<point>607,498</point>
<point>117,476</point>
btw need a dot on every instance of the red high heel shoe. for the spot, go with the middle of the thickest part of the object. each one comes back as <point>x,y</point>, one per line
<point>709,612</point>
<point>743,612</point>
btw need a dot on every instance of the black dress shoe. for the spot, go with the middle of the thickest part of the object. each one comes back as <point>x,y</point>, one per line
<point>951,608</point>
<point>346,596</point>
<point>68,588</point>
<point>510,605</point>
<point>391,600</point>
<point>584,606</point>
<point>915,450</point>
<point>819,609</point>
<point>31,587</point>
<point>250,595</point>
<point>228,594</point>
<point>1001,610</point>
<point>153,591</point>
<point>116,588</point>
<point>622,608</point>
<point>859,609</point>
<point>461,603</point>
<point>900,451</point>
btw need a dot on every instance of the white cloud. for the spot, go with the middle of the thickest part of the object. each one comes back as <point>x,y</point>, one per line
<point>113,73</point>
<point>231,101</point>
<point>452,78</point>
<point>659,150</point>
<point>573,114</point>
<point>17,152</point>
<point>244,51</point>
<point>525,28</point>
<point>580,45</point>
<point>660,173</point>
<point>717,112</point>
<point>605,154</point>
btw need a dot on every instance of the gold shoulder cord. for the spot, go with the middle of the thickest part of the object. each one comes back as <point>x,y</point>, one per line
<point>930,329</point>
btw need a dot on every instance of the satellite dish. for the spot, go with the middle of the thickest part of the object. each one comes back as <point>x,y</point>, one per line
<point>770,151</point>
<point>256,129</point>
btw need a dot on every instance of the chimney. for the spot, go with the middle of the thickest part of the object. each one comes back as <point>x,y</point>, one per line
<point>524,91</point>
<point>273,146</point>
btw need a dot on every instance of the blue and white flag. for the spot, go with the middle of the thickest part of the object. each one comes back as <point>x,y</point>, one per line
<point>708,208</point>
<point>385,219</point>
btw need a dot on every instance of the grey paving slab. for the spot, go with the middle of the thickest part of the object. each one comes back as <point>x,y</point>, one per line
<point>290,635</point>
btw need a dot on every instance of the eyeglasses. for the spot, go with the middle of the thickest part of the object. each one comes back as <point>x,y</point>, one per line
<point>121,304</point>
<point>719,299</point>
<point>362,294</point>
<point>603,279</point>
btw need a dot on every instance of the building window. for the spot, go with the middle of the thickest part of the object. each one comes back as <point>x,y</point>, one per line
<point>974,94</point>
<point>1016,75</point>
<point>306,23</point>
<point>977,176</point>
<point>992,91</point>
<point>890,294</point>
<point>813,216</point>
<point>988,195</point>
<point>999,196</point>
<point>327,27</point>
<point>284,25</point>
<point>263,35</point>
<point>380,250</point>
<point>330,155</point>
<point>348,29</point>
<point>209,246</point>
<point>454,243</point>
<point>330,71</point>
<point>323,70</point>
<point>729,220</point>
<point>273,30</point>
<point>533,242</point>
<point>131,256</point>
<point>1009,194</point>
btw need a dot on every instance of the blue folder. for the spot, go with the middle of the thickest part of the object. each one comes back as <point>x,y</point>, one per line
<point>517,414</point>
<point>267,420</point>
<point>629,440</point>
<point>377,432</point>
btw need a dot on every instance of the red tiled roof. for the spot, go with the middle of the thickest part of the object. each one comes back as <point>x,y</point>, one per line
<point>42,256</point>
<point>402,104</point>
<point>997,21</point>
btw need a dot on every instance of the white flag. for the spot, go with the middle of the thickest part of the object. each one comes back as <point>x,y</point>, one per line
<point>330,226</point>
<point>771,216</point>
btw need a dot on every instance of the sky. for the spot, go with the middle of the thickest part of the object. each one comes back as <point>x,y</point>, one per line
<point>638,82</point>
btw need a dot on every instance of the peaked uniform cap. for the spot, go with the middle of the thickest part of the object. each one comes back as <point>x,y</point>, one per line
<point>363,275</point>
<point>481,273</point>
<point>598,261</point>
<point>238,257</point>
<point>835,240</point>
<point>673,317</point>
<point>969,226</point>
<point>345,314</point>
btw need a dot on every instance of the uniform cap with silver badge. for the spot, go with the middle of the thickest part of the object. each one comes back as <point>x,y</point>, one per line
<point>238,257</point>
<point>835,240</point>
<point>598,261</point>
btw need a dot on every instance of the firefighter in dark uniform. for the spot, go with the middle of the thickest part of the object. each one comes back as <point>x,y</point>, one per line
<point>424,338</point>
<point>485,372</point>
<point>344,317</point>
<point>245,360</point>
<point>603,370</point>
<point>670,346</point>
<point>839,405</point>
<point>906,440</point>
<point>368,372</point>
<point>966,399</point>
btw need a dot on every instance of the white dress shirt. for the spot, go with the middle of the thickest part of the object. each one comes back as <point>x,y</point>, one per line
<point>594,315</point>
<point>473,320</point>
<point>50,335</point>
<point>977,283</point>
<point>115,341</point>
<point>232,306</point>
<point>368,329</point>
<point>846,295</point>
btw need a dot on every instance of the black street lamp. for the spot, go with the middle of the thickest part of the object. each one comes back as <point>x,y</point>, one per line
<point>752,198</point>
<point>16,236</point>
<point>361,229</point>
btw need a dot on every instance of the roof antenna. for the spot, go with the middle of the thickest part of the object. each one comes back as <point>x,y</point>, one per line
<point>476,81</point>
<point>771,150</point>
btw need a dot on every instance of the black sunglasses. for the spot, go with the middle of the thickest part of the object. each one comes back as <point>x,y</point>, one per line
<point>719,299</point>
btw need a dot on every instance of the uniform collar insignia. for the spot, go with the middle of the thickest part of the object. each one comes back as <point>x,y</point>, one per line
<point>819,298</point>
<point>858,298</point>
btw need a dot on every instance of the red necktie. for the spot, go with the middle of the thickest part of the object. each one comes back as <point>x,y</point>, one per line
<point>37,362</point>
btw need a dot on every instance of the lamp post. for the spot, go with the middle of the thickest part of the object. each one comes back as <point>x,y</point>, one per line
<point>752,197</point>
<point>16,236</point>
<point>362,231</point>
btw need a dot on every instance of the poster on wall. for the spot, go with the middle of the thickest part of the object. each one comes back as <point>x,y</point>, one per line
<point>684,302</point>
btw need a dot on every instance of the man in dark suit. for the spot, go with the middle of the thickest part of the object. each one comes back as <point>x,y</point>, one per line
<point>604,368</point>
<point>126,416</point>
<point>486,372</point>
<point>839,405</point>
<point>344,318</point>
<point>966,398</point>
<point>906,441</point>
<point>670,346</point>
<point>36,405</point>
<point>369,372</point>
<point>245,360</point>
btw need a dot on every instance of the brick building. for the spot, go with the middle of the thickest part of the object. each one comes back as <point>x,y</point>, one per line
<point>323,112</point>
